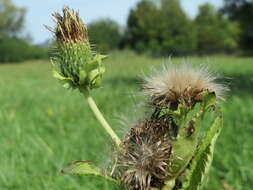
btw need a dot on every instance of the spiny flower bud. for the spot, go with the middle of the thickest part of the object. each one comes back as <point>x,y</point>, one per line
<point>75,64</point>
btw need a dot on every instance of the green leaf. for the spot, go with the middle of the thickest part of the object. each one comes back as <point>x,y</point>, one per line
<point>82,76</point>
<point>66,82</point>
<point>201,163</point>
<point>91,72</point>
<point>85,169</point>
<point>213,133</point>
<point>100,57</point>
<point>169,185</point>
<point>95,63</point>
<point>202,168</point>
<point>58,76</point>
<point>183,151</point>
<point>184,146</point>
<point>91,65</point>
<point>209,99</point>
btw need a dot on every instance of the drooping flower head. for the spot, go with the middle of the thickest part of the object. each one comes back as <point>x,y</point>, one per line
<point>183,83</point>
<point>75,64</point>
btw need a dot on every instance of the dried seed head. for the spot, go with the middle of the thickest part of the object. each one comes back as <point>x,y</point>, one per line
<point>145,162</point>
<point>182,83</point>
<point>70,28</point>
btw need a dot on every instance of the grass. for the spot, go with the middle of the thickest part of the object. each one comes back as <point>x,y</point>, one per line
<point>44,126</point>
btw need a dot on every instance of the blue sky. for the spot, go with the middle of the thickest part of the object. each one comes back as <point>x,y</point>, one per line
<point>39,11</point>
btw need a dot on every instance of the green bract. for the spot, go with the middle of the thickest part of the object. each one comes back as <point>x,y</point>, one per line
<point>76,66</point>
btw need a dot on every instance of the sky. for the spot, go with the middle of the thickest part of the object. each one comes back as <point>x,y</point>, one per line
<point>39,12</point>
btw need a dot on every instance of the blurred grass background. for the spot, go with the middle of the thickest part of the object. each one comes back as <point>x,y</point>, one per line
<point>44,126</point>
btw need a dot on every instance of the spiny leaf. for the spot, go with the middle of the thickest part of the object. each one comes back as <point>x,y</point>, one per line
<point>185,147</point>
<point>202,161</point>
<point>213,133</point>
<point>202,168</point>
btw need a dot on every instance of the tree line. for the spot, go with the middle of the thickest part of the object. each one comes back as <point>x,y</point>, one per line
<point>162,28</point>
<point>154,27</point>
<point>13,45</point>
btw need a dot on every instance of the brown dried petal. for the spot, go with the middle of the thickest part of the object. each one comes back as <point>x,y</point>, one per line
<point>70,27</point>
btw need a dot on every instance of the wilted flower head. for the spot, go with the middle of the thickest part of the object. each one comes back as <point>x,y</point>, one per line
<point>145,161</point>
<point>70,28</point>
<point>181,83</point>
<point>75,64</point>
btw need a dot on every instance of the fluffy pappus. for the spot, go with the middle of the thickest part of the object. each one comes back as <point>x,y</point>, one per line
<point>181,83</point>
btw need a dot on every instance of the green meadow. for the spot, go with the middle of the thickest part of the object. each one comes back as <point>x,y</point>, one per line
<point>44,126</point>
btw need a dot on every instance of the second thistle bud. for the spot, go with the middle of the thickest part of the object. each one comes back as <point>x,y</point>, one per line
<point>75,64</point>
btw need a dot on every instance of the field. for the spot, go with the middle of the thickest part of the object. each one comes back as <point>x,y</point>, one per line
<point>43,126</point>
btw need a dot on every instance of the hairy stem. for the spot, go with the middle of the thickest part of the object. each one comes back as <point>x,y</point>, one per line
<point>101,118</point>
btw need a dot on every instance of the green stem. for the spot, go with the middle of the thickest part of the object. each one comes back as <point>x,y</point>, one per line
<point>101,118</point>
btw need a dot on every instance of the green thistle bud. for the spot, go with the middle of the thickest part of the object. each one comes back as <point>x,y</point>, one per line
<point>75,64</point>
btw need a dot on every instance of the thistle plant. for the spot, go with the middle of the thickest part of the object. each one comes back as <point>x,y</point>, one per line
<point>171,148</point>
<point>76,65</point>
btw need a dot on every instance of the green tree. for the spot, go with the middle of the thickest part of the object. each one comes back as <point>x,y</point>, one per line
<point>142,26</point>
<point>160,27</point>
<point>242,12</point>
<point>178,31</point>
<point>13,46</point>
<point>105,33</point>
<point>215,32</point>
<point>11,19</point>
<point>17,49</point>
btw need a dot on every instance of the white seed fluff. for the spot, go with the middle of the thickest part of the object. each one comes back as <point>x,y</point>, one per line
<point>175,81</point>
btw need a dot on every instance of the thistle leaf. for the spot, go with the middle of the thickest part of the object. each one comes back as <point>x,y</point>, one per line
<point>202,168</point>
<point>82,76</point>
<point>85,169</point>
<point>58,76</point>
<point>101,57</point>
<point>209,99</point>
<point>185,147</point>
<point>201,163</point>
<point>66,82</point>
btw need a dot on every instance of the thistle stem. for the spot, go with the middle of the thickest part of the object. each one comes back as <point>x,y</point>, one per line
<point>101,118</point>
